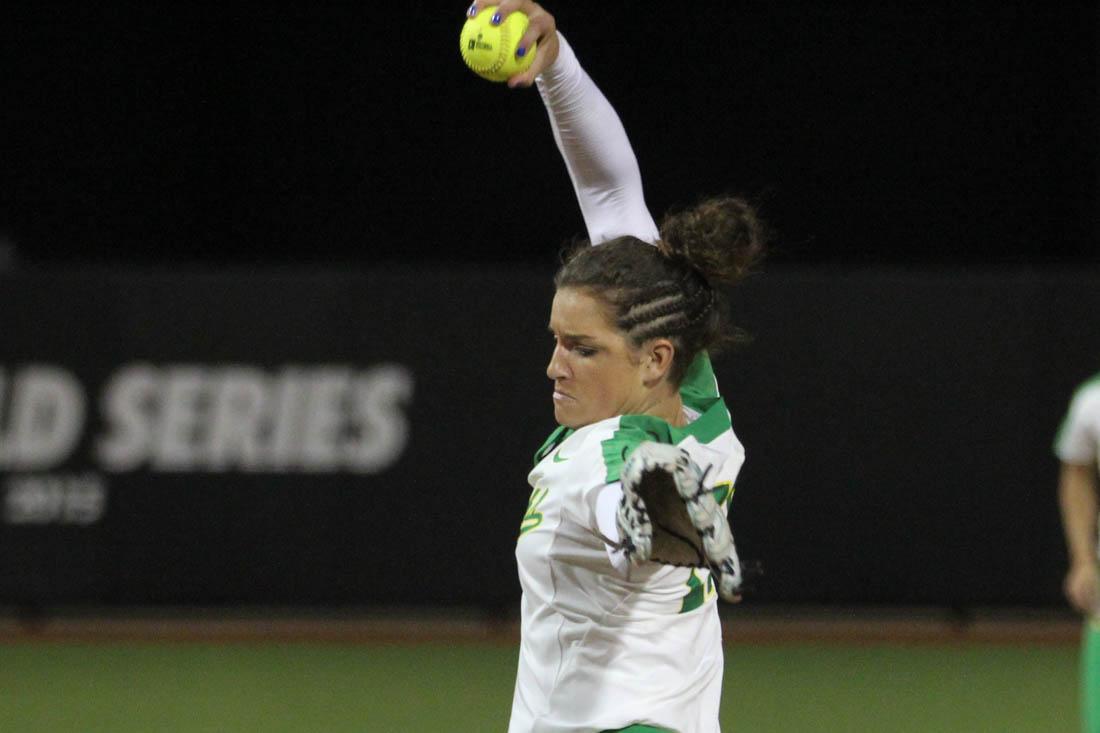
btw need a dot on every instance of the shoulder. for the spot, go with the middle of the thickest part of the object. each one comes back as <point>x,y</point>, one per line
<point>1084,406</point>
<point>606,449</point>
<point>575,457</point>
<point>1087,395</point>
<point>631,430</point>
<point>1076,439</point>
<point>598,450</point>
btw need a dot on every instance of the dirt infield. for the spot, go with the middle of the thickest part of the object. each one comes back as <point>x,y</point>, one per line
<point>740,626</point>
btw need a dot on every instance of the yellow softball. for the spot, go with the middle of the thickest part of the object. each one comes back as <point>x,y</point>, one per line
<point>490,50</point>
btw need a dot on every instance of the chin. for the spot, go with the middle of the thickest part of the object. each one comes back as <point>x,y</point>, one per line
<point>564,419</point>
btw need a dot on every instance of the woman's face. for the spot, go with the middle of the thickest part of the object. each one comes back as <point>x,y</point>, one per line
<point>597,373</point>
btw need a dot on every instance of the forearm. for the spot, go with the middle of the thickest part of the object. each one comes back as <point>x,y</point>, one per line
<point>597,152</point>
<point>1077,499</point>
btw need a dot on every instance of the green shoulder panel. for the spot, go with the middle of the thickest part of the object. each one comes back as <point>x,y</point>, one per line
<point>633,429</point>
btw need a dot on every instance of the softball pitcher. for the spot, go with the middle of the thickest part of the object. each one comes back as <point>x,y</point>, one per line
<point>624,547</point>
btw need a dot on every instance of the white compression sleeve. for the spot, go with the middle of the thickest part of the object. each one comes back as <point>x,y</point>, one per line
<point>597,152</point>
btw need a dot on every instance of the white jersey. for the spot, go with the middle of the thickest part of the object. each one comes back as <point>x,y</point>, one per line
<point>602,649</point>
<point>1078,440</point>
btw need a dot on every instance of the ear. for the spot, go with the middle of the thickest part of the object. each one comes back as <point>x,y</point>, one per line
<point>657,360</point>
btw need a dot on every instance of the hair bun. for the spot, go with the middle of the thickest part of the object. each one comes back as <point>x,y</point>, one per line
<point>722,237</point>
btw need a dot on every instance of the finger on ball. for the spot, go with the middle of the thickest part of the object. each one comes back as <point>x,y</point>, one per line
<point>507,7</point>
<point>530,38</point>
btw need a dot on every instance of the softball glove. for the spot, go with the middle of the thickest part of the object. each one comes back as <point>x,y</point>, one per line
<point>668,515</point>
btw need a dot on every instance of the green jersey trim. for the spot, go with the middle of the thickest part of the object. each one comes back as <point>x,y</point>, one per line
<point>698,592</point>
<point>1059,437</point>
<point>699,392</point>
<point>556,438</point>
<point>699,385</point>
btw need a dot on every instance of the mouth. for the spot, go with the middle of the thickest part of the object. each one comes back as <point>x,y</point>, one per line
<point>560,396</point>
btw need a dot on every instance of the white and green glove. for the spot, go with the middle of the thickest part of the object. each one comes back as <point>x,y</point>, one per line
<point>668,515</point>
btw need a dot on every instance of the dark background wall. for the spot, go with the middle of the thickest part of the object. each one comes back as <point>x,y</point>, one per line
<point>898,430</point>
<point>885,132</point>
<point>926,310</point>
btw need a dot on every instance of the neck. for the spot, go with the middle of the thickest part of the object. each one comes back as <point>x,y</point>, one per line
<point>669,407</point>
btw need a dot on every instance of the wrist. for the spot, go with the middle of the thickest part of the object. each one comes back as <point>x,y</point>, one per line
<point>564,63</point>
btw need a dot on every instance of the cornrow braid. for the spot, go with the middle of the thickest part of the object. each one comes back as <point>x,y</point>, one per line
<point>711,296</point>
<point>669,326</point>
<point>701,293</point>
<point>671,309</point>
<point>664,300</point>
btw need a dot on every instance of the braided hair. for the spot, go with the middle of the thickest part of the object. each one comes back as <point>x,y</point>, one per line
<point>672,290</point>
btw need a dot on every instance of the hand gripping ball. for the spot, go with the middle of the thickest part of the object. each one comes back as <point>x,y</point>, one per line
<point>490,50</point>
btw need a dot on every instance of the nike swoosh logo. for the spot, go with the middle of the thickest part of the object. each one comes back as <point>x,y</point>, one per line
<point>558,458</point>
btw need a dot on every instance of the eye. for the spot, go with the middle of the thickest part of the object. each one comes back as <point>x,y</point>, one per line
<point>584,351</point>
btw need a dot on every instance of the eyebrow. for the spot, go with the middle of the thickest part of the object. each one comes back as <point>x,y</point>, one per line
<point>573,336</point>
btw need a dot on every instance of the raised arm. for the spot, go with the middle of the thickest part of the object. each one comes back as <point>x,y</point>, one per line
<point>588,131</point>
<point>596,150</point>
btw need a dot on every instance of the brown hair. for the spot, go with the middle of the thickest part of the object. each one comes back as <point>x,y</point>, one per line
<point>672,290</point>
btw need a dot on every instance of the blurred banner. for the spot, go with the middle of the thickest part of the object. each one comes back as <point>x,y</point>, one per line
<point>364,438</point>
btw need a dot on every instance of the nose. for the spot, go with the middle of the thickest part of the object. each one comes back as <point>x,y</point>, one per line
<point>556,369</point>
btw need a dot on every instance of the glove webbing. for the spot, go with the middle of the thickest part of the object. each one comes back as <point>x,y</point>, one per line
<point>702,561</point>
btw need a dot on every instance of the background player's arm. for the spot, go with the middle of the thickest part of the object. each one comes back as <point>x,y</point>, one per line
<point>1077,497</point>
